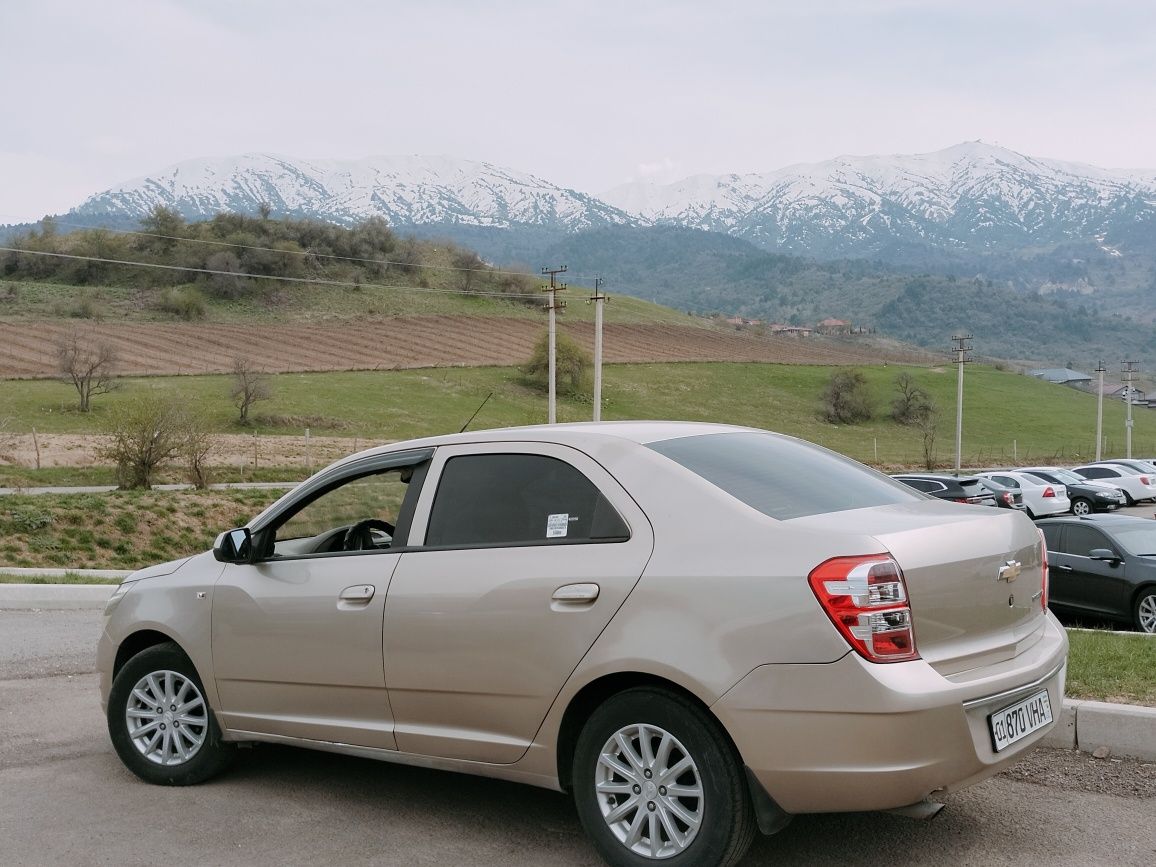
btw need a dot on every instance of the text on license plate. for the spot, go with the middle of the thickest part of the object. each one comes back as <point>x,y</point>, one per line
<point>1020,720</point>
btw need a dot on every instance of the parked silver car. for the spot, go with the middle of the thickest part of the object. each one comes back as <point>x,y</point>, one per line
<point>668,620</point>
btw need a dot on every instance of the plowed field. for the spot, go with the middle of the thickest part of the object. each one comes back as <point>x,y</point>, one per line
<point>28,349</point>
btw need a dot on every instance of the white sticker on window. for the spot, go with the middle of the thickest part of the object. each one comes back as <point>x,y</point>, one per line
<point>557,525</point>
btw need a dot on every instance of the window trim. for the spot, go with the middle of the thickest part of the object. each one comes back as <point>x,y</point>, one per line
<point>265,526</point>
<point>616,497</point>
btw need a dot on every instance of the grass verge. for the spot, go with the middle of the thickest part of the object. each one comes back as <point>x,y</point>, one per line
<point>1103,666</point>
<point>66,578</point>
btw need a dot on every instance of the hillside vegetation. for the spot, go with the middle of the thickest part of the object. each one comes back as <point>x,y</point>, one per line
<point>270,270</point>
<point>705,272</point>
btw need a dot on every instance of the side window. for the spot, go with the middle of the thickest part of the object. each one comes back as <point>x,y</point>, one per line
<point>1007,481</point>
<point>1095,473</point>
<point>1052,535</point>
<point>922,485</point>
<point>359,515</point>
<point>1081,540</point>
<point>519,499</point>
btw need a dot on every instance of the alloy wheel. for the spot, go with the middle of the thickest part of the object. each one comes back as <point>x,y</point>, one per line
<point>1146,613</point>
<point>167,718</point>
<point>649,790</point>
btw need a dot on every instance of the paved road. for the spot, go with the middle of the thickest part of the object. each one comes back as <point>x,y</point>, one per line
<point>65,798</point>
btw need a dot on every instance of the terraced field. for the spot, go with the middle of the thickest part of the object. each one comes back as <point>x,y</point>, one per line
<point>28,348</point>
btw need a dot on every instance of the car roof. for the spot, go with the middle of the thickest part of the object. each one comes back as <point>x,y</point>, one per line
<point>578,434</point>
<point>1100,519</point>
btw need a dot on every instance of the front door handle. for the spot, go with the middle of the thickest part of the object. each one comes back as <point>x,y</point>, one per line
<point>357,593</point>
<point>1062,568</point>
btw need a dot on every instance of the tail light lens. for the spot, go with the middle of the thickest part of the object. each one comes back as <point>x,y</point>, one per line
<point>866,599</point>
<point>1144,480</point>
<point>1044,577</point>
<point>1048,492</point>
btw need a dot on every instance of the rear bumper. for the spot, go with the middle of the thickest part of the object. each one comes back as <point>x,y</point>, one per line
<point>853,735</point>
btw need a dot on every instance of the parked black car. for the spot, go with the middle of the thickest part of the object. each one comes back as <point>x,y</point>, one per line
<point>1104,565</point>
<point>958,489</point>
<point>1086,496</point>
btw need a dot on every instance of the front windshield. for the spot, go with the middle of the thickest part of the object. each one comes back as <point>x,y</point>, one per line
<point>1139,540</point>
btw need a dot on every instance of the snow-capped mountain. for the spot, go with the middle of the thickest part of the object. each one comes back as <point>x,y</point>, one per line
<point>970,198</point>
<point>404,190</point>
<point>973,196</point>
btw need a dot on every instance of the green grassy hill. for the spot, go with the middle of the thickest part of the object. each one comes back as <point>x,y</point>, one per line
<point>1005,414</point>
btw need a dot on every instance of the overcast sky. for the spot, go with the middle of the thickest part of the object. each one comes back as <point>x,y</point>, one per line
<point>586,94</point>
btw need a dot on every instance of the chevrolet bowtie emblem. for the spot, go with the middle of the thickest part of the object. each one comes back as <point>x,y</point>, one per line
<point>1009,571</point>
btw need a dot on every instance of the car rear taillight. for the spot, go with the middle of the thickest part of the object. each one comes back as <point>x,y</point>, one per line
<point>960,500</point>
<point>866,599</point>
<point>1144,480</point>
<point>1008,498</point>
<point>1048,492</point>
<point>1044,578</point>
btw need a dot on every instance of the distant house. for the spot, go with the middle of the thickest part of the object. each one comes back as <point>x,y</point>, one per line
<point>790,330</point>
<point>1139,397</point>
<point>741,321</point>
<point>833,326</point>
<point>1063,376</point>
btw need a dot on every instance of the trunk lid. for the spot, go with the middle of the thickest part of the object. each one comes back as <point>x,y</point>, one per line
<point>968,609</point>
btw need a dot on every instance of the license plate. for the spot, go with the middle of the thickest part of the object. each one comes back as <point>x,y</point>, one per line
<point>1019,720</point>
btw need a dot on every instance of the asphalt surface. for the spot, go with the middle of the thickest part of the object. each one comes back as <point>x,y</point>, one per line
<point>65,798</point>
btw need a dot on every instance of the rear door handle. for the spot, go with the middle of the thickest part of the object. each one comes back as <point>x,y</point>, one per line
<point>1064,568</point>
<point>573,596</point>
<point>357,593</point>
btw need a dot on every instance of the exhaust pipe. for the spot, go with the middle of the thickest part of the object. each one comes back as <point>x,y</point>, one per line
<point>924,810</point>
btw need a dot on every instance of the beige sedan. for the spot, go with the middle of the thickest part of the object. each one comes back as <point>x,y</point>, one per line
<point>669,620</point>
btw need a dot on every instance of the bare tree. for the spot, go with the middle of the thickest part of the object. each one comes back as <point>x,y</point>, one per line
<point>846,399</point>
<point>249,386</point>
<point>88,363</point>
<point>196,442</point>
<point>144,434</point>
<point>927,423</point>
<point>912,403</point>
<point>8,441</point>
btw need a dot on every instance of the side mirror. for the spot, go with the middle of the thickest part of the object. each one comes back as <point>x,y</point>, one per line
<point>234,546</point>
<point>1104,554</point>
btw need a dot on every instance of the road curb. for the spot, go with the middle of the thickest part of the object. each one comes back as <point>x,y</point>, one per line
<point>1127,730</point>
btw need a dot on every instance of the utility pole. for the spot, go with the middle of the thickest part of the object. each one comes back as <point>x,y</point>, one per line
<point>1100,409</point>
<point>597,298</point>
<point>1128,368</point>
<point>962,349</point>
<point>553,306</point>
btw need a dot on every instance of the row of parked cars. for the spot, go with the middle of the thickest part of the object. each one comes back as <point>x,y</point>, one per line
<point>1100,564</point>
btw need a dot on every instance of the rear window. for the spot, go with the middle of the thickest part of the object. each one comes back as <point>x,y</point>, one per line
<point>784,478</point>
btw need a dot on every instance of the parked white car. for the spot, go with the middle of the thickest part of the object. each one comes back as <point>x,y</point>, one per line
<point>1040,498</point>
<point>1136,486</point>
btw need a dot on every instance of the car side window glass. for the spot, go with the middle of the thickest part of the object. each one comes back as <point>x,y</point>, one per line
<point>1080,540</point>
<point>519,499</point>
<point>922,485</point>
<point>1007,481</point>
<point>1052,536</point>
<point>1095,473</point>
<point>359,515</point>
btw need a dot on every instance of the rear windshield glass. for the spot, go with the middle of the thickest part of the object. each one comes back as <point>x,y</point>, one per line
<point>781,477</point>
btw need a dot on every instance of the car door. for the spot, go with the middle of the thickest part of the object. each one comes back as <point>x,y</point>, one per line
<point>297,633</point>
<point>519,555</point>
<point>1084,583</point>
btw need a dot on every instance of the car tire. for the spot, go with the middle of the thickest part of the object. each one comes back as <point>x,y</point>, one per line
<point>627,759</point>
<point>1128,499</point>
<point>1144,611</point>
<point>1082,506</point>
<point>160,722</point>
